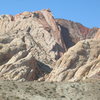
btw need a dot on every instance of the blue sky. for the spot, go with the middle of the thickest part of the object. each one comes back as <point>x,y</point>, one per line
<point>86,12</point>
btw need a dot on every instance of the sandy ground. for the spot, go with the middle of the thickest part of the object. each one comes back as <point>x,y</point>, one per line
<point>11,90</point>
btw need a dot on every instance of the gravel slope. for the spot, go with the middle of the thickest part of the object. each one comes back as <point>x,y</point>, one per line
<point>11,90</point>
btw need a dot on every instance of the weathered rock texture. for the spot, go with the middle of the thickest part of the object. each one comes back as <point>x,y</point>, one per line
<point>97,35</point>
<point>80,62</point>
<point>23,66</point>
<point>24,38</point>
<point>72,32</point>
<point>32,42</point>
<point>31,31</point>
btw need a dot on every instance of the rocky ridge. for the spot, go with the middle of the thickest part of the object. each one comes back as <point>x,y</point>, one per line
<point>72,32</point>
<point>80,62</point>
<point>31,44</point>
<point>24,38</point>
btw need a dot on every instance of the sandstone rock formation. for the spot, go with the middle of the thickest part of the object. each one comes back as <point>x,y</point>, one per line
<point>80,62</point>
<point>33,31</point>
<point>97,35</point>
<point>32,42</point>
<point>72,32</point>
<point>23,66</point>
<point>24,38</point>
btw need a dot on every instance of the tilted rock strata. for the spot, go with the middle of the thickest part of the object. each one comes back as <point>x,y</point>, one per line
<point>24,36</point>
<point>80,62</point>
<point>32,42</point>
<point>97,35</point>
<point>30,29</point>
<point>19,68</point>
<point>72,32</point>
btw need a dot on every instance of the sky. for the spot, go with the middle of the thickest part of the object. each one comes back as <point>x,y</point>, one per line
<point>86,12</point>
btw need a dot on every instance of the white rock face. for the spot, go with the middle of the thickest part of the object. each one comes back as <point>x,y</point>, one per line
<point>29,30</point>
<point>82,61</point>
<point>24,39</point>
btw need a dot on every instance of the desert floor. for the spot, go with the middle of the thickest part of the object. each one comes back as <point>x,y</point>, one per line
<point>87,90</point>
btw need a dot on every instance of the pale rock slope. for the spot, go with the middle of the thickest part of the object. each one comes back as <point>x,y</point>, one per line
<point>32,42</point>
<point>97,35</point>
<point>80,62</point>
<point>28,45</point>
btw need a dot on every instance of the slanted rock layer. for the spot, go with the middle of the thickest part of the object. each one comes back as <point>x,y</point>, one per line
<point>81,61</point>
<point>31,44</point>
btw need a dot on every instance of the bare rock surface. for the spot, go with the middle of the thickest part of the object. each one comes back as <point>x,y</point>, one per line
<point>81,61</point>
<point>97,35</point>
<point>27,30</point>
<point>34,47</point>
<point>32,42</point>
<point>73,32</point>
<point>27,45</point>
<point>23,67</point>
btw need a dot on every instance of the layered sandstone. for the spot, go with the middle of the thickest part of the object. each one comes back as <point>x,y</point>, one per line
<point>82,61</point>
<point>28,45</point>
<point>72,32</point>
<point>36,30</point>
<point>97,35</point>
<point>32,42</point>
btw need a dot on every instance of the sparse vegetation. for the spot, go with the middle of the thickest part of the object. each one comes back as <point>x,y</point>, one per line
<point>29,90</point>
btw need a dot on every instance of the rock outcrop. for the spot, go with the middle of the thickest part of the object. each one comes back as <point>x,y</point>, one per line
<point>82,61</point>
<point>97,35</point>
<point>26,39</point>
<point>33,30</point>
<point>23,67</point>
<point>32,42</point>
<point>72,32</point>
